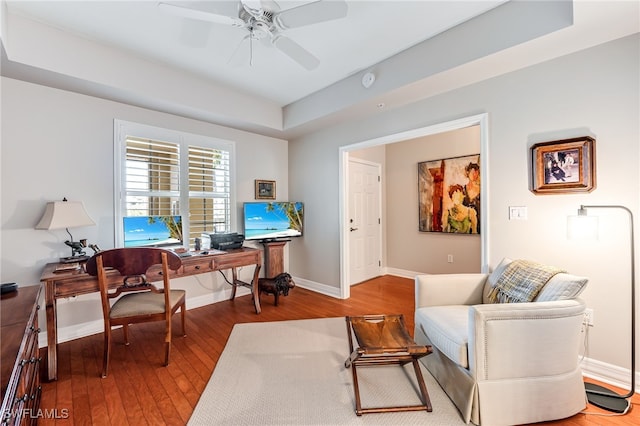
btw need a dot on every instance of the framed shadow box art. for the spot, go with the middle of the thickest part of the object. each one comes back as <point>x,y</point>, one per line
<point>449,195</point>
<point>265,189</point>
<point>564,166</point>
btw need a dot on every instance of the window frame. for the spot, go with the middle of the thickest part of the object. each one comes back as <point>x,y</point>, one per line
<point>122,129</point>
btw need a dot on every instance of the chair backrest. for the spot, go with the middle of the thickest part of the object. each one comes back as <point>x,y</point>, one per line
<point>132,263</point>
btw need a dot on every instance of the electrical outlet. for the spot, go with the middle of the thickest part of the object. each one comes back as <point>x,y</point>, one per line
<point>449,258</point>
<point>588,317</point>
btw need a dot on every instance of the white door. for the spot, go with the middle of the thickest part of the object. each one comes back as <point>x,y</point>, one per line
<point>364,222</point>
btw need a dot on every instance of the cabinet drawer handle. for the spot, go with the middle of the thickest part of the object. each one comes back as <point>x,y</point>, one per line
<point>36,392</point>
<point>197,267</point>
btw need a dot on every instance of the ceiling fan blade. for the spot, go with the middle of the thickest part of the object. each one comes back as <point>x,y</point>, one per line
<point>296,52</point>
<point>195,33</point>
<point>311,13</point>
<point>242,54</point>
<point>187,12</point>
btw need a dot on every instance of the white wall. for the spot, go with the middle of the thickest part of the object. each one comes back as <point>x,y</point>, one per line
<point>59,144</point>
<point>593,92</point>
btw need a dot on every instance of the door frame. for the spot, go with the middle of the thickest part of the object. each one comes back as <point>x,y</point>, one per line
<point>481,120</point>
<point>378,207</point>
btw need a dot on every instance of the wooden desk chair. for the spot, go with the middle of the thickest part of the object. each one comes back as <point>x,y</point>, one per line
<point>143,302</point>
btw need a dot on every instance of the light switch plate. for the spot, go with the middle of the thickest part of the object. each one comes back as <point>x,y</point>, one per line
<point>517,213</point>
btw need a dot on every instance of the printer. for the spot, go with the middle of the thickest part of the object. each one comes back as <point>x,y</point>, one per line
<point>228,241</point>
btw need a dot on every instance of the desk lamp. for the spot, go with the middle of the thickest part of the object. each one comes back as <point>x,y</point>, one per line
<point>585,227</point>
<point>67,214</point>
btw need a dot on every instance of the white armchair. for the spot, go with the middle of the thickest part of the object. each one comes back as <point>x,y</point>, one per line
<point>503,363</point>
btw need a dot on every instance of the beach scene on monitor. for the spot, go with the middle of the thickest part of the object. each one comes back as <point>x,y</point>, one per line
<point>152,231</point>
<point>273,220</point>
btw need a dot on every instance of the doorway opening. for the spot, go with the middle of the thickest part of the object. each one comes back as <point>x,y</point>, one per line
<point>346,252</point>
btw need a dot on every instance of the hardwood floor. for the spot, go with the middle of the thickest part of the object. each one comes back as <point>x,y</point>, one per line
<point>139,390</point>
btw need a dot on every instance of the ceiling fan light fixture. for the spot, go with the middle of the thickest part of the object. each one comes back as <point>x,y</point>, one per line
<point>264,20</point>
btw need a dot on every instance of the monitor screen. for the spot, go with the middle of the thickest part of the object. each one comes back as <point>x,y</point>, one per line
<point>152,231</point>
<point>272,220</point>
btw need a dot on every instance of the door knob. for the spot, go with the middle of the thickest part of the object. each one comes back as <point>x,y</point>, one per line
<point>353,229</point>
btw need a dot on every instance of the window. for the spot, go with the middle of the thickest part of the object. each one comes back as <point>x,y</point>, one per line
<point>164,172</point>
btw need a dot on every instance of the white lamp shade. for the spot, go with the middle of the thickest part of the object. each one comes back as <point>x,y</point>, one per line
<point>64,214</point>
<point>582,228</point>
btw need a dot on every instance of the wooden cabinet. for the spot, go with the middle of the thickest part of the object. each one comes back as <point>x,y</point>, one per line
<point>274,258</point>
<point>20,358</point>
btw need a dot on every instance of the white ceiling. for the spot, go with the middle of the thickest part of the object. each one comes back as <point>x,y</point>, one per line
<point>132,52</point>
<point>371,32</point>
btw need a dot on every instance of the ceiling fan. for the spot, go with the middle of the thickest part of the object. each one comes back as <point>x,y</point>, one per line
<point>265,21</point>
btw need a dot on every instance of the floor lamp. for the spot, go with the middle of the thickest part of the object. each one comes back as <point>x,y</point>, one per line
<point>596,394</point>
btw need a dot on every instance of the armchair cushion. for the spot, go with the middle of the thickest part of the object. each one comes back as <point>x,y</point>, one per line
<point>492,280</point>
<point>562,286</point>
<point>447,327</point>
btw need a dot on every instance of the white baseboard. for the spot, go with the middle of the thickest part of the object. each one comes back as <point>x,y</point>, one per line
<point>403,273</point>
<point>327,290</point>
<point>607,373</point>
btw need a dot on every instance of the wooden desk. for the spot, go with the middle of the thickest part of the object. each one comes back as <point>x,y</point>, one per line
<point>67,284</point>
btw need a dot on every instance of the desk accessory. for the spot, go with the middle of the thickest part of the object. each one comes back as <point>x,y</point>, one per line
<point>67,214</point>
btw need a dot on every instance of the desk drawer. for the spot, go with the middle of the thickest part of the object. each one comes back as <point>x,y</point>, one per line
<point>154,274</point>
<point>197,267</point>
<point>237,259</point>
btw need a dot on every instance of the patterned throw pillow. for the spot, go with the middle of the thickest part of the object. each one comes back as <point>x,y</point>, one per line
<point>521,281</point>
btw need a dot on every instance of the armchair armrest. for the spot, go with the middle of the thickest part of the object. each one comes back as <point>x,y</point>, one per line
<point>449,289</point>
<point>518,340</point>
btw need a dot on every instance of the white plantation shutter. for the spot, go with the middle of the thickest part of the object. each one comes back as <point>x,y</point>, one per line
<point>209,191</point>
<point>164,172</point>
<point>152,177</point>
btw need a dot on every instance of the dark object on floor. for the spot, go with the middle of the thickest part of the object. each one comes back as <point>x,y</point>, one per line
<point>278,285</point>
<point>8,287</point>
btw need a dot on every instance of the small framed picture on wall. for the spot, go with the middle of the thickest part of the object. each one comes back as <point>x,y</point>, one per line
<point>265,189</point>
<point>564,166</point>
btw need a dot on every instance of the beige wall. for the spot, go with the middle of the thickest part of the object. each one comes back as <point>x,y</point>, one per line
<point>407,248</point>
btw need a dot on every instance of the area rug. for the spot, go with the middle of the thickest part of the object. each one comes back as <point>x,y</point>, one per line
<point>292,373</point>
